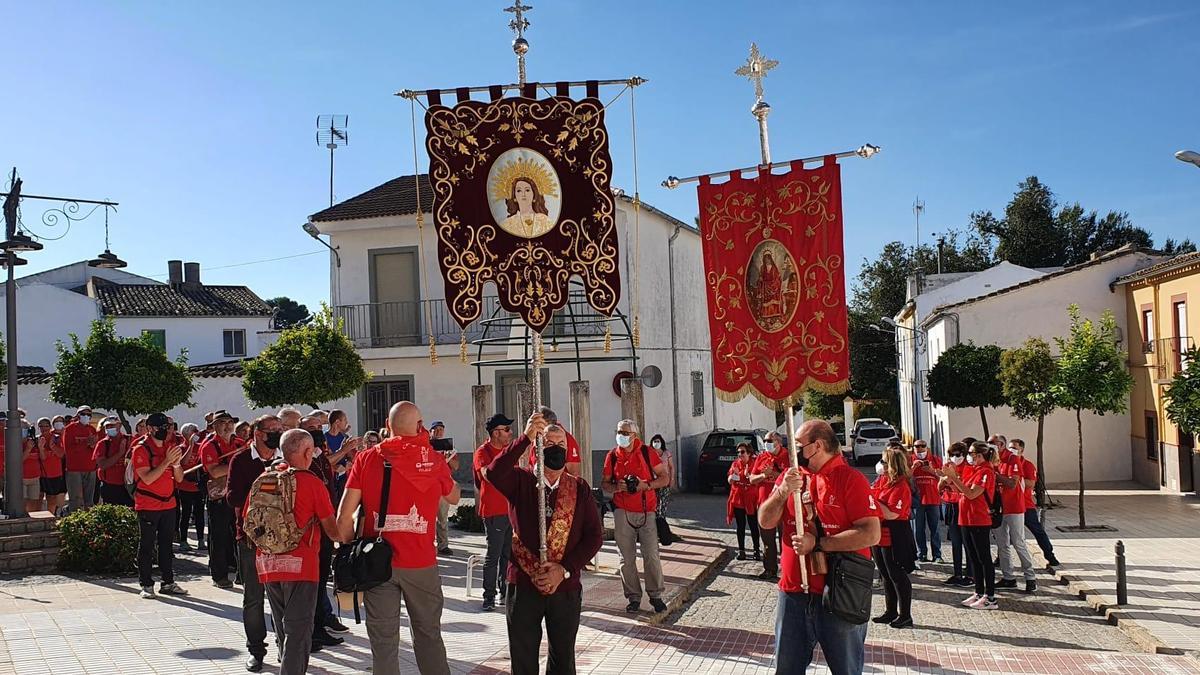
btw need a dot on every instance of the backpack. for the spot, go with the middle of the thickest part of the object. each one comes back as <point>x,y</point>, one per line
<point>995,506</point>
<point>270,523</point>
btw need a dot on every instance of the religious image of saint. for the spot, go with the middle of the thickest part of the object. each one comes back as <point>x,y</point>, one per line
<point>772,286</point>
<point>769,291</point>
<point>527,212</point>
<point>524,193</point>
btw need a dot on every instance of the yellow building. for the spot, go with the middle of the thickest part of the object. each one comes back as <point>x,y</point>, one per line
<point>1161,329</point>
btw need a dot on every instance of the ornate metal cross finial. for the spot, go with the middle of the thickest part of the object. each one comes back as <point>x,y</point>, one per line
<point>756,69</point>
<point>520,45</point>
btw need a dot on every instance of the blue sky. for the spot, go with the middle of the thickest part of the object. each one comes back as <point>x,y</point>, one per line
<point>199,118</point>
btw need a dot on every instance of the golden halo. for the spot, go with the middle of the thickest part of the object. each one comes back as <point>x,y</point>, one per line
<point>527,169</point>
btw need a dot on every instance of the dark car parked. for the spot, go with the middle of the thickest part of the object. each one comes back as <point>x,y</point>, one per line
<point>719,452</point>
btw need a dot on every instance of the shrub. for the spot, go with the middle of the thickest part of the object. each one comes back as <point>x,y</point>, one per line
<point>103,538</point>
<point>466,519</point>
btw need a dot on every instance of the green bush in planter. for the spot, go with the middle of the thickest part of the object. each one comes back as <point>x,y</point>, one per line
<point>465,518</point>
<point>103,538</point>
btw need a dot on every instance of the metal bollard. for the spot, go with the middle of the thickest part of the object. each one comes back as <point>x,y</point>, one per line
<point>1122,587</point>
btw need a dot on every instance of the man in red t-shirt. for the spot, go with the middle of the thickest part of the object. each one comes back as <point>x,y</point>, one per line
<point>1011,533</point>
<point>110,455</point>
<point>927,508</point>
<point>156,470</point>
<point>420,478</point>
<point>216,454</point>
<point>768,466</point>
<point>1032,522</point>
<point>847,510</point>
<point>492,507</point>
<point>632,472</point>
<point>79,440</point>
<point>291,579</point>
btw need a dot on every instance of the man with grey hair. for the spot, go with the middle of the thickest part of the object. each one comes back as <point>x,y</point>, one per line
<point>574,458</point>
<point>290,578</point>
<point>289,418</point>
<point>631,475</point>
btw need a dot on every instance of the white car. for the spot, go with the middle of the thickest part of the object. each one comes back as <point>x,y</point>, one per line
<point>870,440</point>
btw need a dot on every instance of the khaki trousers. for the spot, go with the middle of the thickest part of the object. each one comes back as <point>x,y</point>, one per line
<point>421,591</point>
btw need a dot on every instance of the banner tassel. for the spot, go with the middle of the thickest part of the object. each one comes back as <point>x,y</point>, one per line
<point>607,339</point>
<point>462,348</point>
<point>432,351</point>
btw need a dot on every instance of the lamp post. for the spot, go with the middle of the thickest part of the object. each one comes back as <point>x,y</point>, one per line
<point>17,241</point>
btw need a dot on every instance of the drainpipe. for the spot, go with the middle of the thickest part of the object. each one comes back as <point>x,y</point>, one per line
<point>674,352</point>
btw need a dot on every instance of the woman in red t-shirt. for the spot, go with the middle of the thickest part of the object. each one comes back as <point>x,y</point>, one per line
<point>896,550</point>
<point>52,455</point>
<point>31,470</point>
<point>742,504</point>
<point>956,454</point>
<point>977,488</point>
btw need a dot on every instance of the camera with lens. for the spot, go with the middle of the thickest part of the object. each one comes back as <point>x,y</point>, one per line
<point>631,483</point>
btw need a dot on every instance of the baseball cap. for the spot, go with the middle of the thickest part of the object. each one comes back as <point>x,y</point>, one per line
<point>157,420</point>
<point>84,409</point>
<point>497,420</point>
<point>436,424</point>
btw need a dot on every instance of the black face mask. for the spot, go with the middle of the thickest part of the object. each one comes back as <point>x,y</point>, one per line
<point>556,457</point>
<point>272,439</point>
<point>318,437</point>
<point>801,460</point>
<point>160,433</point>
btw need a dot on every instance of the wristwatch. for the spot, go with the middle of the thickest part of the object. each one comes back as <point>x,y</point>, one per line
<point>566,573</point>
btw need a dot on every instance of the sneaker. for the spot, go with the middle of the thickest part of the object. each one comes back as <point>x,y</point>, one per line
<point>445,550</point>
<point>323,638</point>
<point>1052,562</point>
<point>658,605</point>
<point>147,592</point>
<point>938,560</point>
<point>1006,583</point>
<point>971,600</point>
<point>633,606</point>
<point>922,558</point>
<point>223,583</point>
<point>500,598</point>
<point>916,567</point>
<point>741,555</point>
<point>1031,586</point>
<point>886,617</point>
<point>172,589</point>
<point>966,582</point>
<point>332,624</point>
<point>953,580</point>
<point>986,603</point>
<point>488,605</point>
<point>756,556</point>
<point>768,576</point>
<point>185,546</point>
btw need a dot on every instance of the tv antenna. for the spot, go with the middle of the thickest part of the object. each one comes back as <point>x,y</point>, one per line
<point>332,134</point>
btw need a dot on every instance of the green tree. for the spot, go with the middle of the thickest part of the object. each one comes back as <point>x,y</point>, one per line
<point>1183,395</point>
<point>968,376</point>
<point>1027,374</point>
<point>1172,247</point>
<point>308,364</point>
<point>130,376</point>
<point>288,312</point>
<point>1091,376</point>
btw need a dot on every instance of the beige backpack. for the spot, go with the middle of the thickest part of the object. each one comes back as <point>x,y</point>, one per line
<point>270,522</point>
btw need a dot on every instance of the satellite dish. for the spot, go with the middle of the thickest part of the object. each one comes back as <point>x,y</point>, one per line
<point>616,383</point>
<point>651,376</point>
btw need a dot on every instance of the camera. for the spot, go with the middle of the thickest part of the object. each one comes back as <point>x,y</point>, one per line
<point>631,483</point>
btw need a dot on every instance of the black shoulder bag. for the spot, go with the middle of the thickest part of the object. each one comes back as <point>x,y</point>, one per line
<point>847,582</point>
<point>367,561</point>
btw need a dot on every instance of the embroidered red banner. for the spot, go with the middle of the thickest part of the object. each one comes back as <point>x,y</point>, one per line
<point>776,291</point>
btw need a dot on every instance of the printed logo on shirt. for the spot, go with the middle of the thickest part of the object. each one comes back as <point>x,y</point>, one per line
<point>411,523</point>
<point>871,501</point>
<point>268,563</point>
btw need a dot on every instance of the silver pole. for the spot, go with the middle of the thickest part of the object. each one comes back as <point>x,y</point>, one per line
<point>539,447</point>
<point>866,151</point>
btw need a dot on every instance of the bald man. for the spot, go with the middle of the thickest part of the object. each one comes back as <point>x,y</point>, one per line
<point>290,578</point>
<point>420,478</point>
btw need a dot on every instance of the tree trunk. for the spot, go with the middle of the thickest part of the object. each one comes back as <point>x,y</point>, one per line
<point>124,422</point>
<point>1040,486</point>
<point>1079,430</point>
<point>983,417</point>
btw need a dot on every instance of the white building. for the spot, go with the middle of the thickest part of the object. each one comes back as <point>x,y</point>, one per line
<point>1037,307</point>
<point>924,293</point>
<point>391,303</point>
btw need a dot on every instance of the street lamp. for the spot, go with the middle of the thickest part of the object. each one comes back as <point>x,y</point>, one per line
<point>1189,156</point>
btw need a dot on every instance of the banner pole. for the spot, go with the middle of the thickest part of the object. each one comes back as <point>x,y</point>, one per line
<point>797,497</point>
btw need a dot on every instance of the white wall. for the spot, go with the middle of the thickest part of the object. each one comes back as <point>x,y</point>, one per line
<point>46,314</point>
<point>203,337</point>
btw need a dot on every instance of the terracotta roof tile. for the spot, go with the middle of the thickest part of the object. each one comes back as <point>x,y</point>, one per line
<point>397,197</point>
<point>178,300</point>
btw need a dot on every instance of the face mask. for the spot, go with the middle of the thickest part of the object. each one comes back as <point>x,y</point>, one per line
<point>58,426</point>
<point>556,457</point>
<point>85,418</point>
<point>272,439</point>
<point>957,459</point>
<point>921,454</point>
<point>801,460</point>
<point>325,428</point>
<point>971,460</point>
<point>112,433</point>
<point>318,442</point>
<point>624,441</point>
<point>879,468</point>
<point>769,446</point>
<point>657,445</point>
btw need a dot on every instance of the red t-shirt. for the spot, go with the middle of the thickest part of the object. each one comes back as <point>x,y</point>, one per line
<point>52,464</point>
<point>632,462</point>
<point>491,502</point>
<point>105,448</point>
<point>742,495</point>
<point>974,512</point>
<point>898,498</point>
<point>1011,465</point>
<point>144,456</point>
<point>841,496</point>
<point>213,450</point>
<point>190,459</point>
<point>420,478</point>
<point>301,563</point>
<point>31,467</point>
<point>80,440</point>
<point>777,460</point>
<point>949,494</point>
<point>1029,473</point>
<point>925,478</point>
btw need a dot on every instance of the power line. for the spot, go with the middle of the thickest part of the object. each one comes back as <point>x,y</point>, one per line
<point>243,264</point>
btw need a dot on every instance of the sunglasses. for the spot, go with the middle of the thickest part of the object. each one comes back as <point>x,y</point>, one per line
<point>920,447</point>
<point>956,454</point>
<point>972,452</point>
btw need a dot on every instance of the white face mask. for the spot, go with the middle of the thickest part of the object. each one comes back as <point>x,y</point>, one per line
<point>58,426</point>
<point>971,460</point>
<point>957,459</point>
<point>769,446</point>
<point>879,468</point>
<point>85,419</point>
<point>624,441</point>
<point>657,445</point>
<point>112,433</point>
<point>921,454</point>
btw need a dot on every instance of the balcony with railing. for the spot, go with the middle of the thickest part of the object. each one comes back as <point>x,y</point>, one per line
<point>409,323</point>
<point>1167,357</point>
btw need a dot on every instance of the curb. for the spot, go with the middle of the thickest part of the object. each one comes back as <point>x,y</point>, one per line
<point>689,590</point>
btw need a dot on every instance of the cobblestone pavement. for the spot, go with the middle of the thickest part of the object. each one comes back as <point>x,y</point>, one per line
<point>1052,618</point>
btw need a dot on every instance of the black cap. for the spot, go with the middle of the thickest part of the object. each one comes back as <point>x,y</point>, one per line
<point>497,420</point>
<point>157,420</point>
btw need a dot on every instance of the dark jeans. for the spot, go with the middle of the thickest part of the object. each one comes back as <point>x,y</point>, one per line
<point>897,587</point>
<point>740,517</point>
<point>802,622</point>
<point>157,529</point>
<point>956,540</point>
<point>221,555</point>
<point>323,609</point>
<point>191,510</point>
<point>253,616</point>
<point>1034,525</point>
<point>499,545</point>
<point>977,541</point>
<point>770,544</point>
<point>525,612</point>
<point>115,494</point>
<point>928,517</point>
<point>292,613</point>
